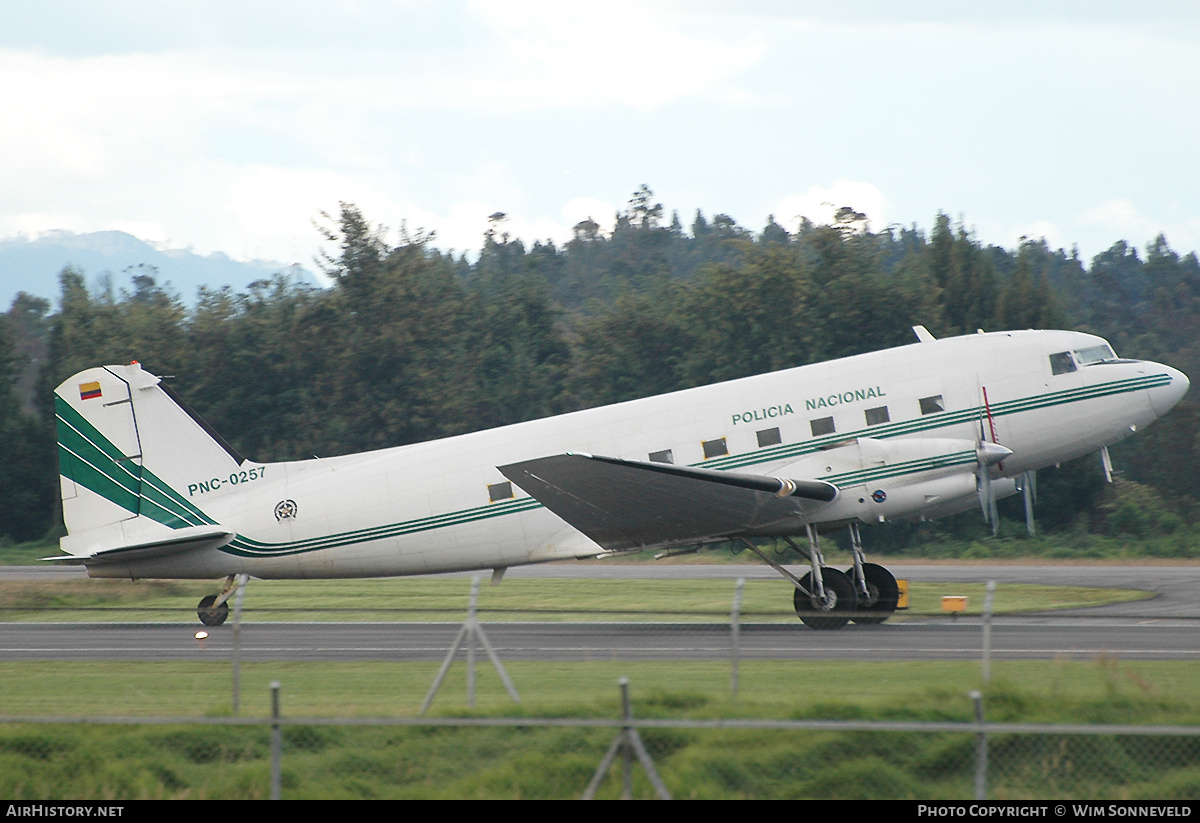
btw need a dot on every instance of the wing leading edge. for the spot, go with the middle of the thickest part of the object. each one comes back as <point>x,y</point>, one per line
<point>626,504</point>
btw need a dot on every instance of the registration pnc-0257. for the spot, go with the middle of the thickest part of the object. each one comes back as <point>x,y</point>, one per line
<point>234,479</point>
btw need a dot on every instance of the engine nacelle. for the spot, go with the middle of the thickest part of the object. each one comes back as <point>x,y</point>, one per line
<point>1001,488</point>
<point>903,479</point>
<point>915,500</point>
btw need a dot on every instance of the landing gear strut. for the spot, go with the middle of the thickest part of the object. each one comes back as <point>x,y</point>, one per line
<point>876,586</point>
<point>214,609</point>
<point>827,598</point>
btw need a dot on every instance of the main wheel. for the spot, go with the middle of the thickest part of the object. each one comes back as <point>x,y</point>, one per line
<point>211,615</point>
<point>839,598</point>
<point>882,594</point>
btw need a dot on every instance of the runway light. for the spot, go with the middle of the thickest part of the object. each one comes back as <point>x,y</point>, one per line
<point>201,636</point>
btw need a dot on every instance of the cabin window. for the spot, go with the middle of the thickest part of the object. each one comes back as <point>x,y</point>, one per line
<point>877,415</point>
<point>932,405</point>
<point>715,448</point>
<point>769,437</point>
<point>499,491</point>
<point>822,426</point>
<point>664,456</point>
<point>1062,363</point>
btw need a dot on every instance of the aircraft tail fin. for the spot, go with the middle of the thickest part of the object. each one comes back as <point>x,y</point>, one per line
<point>126,446</point>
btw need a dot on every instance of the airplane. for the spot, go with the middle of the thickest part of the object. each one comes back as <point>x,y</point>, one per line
<point>924,430</point>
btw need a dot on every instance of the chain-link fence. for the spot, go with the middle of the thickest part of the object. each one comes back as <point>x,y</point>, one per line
<point>522,757</point>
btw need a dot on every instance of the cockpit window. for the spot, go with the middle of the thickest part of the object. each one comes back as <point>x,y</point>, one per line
<point>1062,363</point>
<point>1094,354</point>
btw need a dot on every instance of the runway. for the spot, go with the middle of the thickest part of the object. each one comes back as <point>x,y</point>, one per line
<point>405,642</point>
<point>1163,628</point>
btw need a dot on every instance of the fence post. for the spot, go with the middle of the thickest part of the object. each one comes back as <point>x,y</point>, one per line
<point>276,743</point>
<point>981,751</point>
<point>735,624</point>
<point>987,631</point>
<point>472,618</point>
<point>237,644</point>
<point>629,743</point>
<point>471,632</point>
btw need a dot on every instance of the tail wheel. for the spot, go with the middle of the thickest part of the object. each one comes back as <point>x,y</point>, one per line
<point>826,613</point>
<point>882,595</point>
<point>211,615</point>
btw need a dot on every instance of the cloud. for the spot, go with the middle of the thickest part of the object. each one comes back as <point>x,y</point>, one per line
<point>226,146</point>
<point>578,209</point>
<point>1120,219</point>
<point>229,127</point>
<point>1117,215</point>
<point>1097,228</point>
<point>820,203</point>
<point>561,55</point>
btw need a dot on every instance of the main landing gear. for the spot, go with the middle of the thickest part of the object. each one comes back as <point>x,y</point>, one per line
<point>214,609</point>
<point>827,598</point>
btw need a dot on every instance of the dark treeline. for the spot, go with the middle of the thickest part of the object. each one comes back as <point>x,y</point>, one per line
<point>411,343</point>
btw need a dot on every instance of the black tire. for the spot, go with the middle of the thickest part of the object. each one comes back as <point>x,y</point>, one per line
<point>211,615</point>
<point>839,597</point>
<point>883,595</point>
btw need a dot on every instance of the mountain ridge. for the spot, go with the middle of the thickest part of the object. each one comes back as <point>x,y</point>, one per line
<point>32,265</point>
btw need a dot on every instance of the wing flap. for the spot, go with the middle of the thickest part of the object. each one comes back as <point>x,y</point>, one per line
<point>626,504</point>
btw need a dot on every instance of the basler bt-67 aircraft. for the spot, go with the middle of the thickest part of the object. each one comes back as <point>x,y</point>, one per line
<point>919,431</point>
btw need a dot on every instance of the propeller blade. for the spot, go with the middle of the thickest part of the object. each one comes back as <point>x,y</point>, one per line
<point>987,500</point>
<point>988,455</point>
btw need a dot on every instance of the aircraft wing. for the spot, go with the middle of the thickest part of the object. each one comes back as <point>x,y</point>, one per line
<point>626,504</point>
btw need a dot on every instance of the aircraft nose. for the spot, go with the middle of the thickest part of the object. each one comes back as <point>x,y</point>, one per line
<point>1164,397</point>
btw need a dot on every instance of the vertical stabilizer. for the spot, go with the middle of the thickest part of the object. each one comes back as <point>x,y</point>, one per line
<point>124,447</point>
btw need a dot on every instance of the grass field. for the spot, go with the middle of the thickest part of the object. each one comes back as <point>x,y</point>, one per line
<point>1117,691</point>
<point>118,762</point>
<point>446,598</point>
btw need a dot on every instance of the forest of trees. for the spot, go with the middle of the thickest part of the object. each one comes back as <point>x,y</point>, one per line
<point>410,343</point>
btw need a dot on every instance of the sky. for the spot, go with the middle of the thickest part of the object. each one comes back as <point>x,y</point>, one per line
<point>234,126</point>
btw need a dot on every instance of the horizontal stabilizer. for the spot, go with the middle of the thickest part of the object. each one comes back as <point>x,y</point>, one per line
<point>181,540</point>
<point>626,504</point>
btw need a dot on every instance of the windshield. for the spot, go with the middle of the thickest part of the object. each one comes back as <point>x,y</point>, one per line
<point>1094,354</point>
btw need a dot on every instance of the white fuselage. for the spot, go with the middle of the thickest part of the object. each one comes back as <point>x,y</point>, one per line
<point>429,507</point>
